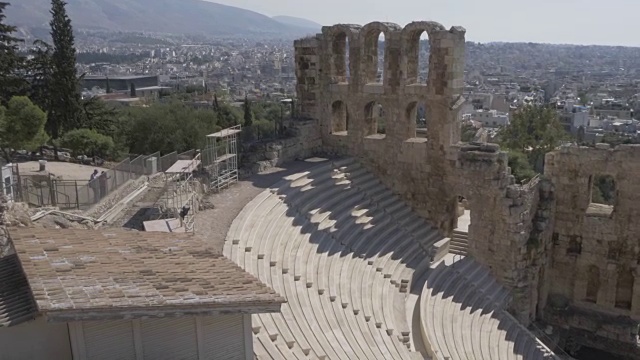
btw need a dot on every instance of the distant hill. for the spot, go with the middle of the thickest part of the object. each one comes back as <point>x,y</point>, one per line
<point>161,16</point>
<point>298,22</point>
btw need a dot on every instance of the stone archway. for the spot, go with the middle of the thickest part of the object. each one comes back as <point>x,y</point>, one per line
<point>339,118</point>
<point>593,284</point>
<point>375,119</point>
<point>417,50</point>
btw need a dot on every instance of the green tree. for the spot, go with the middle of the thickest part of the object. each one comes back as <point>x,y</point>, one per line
<point>166,127</point>
<point>248,113</point>
<point>583,97</point>
<point>11,63</point>
<point>65,111</point>
<point>534,131</point>
<point>521,169</point>
<point>468,133</point>
<point>603,190</point>
<point>21,126</point>
<point>99,116</point>
<point>88,142</point>
<point>40,68</point>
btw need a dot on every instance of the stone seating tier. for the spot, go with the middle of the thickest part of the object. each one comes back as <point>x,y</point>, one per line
<point>345,253</point>
<point>463,317</point>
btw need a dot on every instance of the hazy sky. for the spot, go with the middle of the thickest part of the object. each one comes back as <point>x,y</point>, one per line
<point>606,22</point>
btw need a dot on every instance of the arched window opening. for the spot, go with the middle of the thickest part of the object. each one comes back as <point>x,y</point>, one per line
<point>340,49</point>
<point>624,289</point>
<point>421,116</point>
<point>339,118</point>
<point>347,60</point>
<point>418,51</point>
<point>416,117</point>
<point>375,119</point>
<point>380,64</point>
<point>593,284</point>
<point>374,51</point>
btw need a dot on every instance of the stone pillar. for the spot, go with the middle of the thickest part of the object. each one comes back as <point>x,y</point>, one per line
<point>635,300</point>
<point>308,83</point>
<point>607,294</point>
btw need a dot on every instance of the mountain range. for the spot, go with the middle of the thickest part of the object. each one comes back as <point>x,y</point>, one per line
<point>162,16</point>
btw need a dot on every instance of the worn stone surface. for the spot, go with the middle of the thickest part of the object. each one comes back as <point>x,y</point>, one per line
<point>540,239</point>
<point>116,271</point>
<point>596,249</point>
<point>428,173</point>
<point>304,142</point>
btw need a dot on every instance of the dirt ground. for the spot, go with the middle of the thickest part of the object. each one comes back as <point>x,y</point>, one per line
<point>61,170</point>
<point>213,224</point>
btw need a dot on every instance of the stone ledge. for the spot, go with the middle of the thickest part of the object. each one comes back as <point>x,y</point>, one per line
<point>599,210</point>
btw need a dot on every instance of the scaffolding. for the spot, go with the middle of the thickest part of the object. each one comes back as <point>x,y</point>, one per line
<point>178,203</point>
<point>221,158</point>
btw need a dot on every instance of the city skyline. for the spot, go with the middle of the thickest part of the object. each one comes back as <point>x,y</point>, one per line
<point>545,21</point>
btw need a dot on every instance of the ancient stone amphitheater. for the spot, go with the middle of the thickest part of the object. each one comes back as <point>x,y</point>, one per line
<point>408,243</point>
<point>361,277</point>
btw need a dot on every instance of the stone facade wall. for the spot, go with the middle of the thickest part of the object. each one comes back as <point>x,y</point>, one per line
<point>344,102</point>
<point>542,239</point>
<point>6,247</point>
<point>341,90</point>
<point>596,250</point>
<point>304,142</point>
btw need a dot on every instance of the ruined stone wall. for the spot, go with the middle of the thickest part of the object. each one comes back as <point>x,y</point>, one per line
<point>345,102</point>
<point>304,142</point>
<point>543,240</point>
<point>337,84</point>
<point>511,223</point>
<point>6,247</point>
<point>596,249</point>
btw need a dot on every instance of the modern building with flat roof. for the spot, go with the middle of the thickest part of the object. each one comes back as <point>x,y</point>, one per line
<point>120,83</point>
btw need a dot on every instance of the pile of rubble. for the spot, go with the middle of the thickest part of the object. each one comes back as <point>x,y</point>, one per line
<point>20,215</point>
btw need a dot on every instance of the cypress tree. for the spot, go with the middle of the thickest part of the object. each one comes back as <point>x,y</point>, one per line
<point>216,105</point>
<point>40,68</point>
<point>11,63</point>
<point>248,114</point>
<point>65,112</point>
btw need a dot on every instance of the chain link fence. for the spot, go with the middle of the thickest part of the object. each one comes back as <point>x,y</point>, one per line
<point>82,194</point>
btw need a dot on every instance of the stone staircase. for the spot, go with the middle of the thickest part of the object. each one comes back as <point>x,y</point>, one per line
<point>459,243</point>
<point>352,260</point>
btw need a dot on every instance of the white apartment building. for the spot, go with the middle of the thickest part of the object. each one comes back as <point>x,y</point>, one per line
<point>490,118</point>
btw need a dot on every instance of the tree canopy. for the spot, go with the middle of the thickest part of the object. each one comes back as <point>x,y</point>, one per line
<point>248,113</point>
<point>64,108</point>
<point>533,131</point>
<point>11,63</point>
<point>88,142</point>
<point>21,126</point>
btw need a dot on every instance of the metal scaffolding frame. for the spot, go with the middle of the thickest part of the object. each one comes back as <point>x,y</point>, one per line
<point>221,157</point>
<point>179,198</point>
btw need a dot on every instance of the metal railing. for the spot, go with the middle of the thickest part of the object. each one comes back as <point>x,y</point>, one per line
<point>82,194</point>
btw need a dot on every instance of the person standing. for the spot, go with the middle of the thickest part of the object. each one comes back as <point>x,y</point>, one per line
<point>95,186</point>
<point>102,180</point>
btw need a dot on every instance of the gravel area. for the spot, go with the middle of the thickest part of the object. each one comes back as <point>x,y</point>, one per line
<point>62,170</point>
<point>213,224</point>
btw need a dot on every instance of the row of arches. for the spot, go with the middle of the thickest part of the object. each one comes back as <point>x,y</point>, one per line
<point>624,287</point>
<point>376,118</point>
<point>374,37</point>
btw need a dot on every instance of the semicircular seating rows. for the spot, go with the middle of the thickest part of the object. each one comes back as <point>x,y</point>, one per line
<point>463,316</point>
<point>350,258</point>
